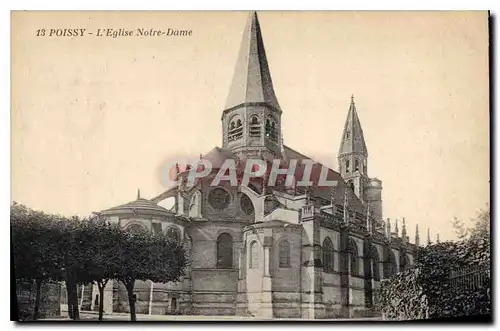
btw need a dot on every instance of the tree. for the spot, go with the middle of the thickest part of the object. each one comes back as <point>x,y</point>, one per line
<point>146,256</point>
<point>459,228</point>
<point>440,286</point>
<point>36,254</point>
<point>100,254</point>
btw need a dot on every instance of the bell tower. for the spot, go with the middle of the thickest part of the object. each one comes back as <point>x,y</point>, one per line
<point>251,120</point>
<point>353,155</point>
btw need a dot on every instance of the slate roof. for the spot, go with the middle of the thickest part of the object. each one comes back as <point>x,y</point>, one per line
<point>252,81</point>
<point>353,140</point>
<point>140,205</point>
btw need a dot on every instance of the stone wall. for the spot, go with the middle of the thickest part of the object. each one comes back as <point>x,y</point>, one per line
<point>50,300</point>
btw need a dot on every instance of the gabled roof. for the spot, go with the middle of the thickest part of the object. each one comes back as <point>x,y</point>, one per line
<point>252,81</point>
<point>353,140</point>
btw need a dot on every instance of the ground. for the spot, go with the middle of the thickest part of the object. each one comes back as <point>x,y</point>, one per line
<point>91,316</point>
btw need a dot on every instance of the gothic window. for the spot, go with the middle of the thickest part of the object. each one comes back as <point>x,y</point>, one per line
<point>347,134</point>
<point>356,165</point>
<point>392,267</point>
<point>195,205</point>
<point>271,130</point>
<point>254,255</point>
<point>375,263</point>
<point>274,133</point>
<point>347,166</point>
<point>246,204</point>
<point>328,256</point>
<point>284,254</point>
<point>404,261</point>
<point>353,257</point>
<point>254,127</point>
<point>173,234</point>
<point>225,251</point>
<point>235,129</point>
<point>219,198</point>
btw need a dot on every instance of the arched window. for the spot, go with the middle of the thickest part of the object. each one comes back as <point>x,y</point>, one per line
<point>392,267</point>
<point>271,130</point>
<point>195,205</point>
<point>347,134</point>
<point>375,263</point>
<point>235,130</point>
<point>284,254</point>
<point>356,165</point>
<point>173,234</point>
<point>353,258</point>
<point>347,166</point>
<point>225,251</point>
<point>328,256</point>
<point>404,263</point>
<point>254,127</point>
<point>254,255</point>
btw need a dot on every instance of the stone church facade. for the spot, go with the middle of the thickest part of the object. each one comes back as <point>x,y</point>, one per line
<point>269,252</point>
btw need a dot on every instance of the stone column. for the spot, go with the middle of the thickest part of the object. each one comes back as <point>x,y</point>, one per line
<point>312,271</point>
<point>344,271</point>
<point>266,306</point>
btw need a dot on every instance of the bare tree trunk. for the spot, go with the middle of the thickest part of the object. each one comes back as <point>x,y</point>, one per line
<point>100,286</point>
<point>131,300</point>
<point>68,296</point>
<point>36,310</point>
<point>72,298</point>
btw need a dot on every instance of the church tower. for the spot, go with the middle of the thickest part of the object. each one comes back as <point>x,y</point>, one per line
<point>251,120</point>
<point>353,155</point>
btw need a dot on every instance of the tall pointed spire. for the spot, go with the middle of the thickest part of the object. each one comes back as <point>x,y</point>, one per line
<point>353,140</point>
<point>252,81</point>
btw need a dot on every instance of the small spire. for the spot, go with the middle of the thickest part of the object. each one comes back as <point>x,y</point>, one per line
<point>428,236</point>
<point>352,98</point>
<point>403,231</point>
<point>389,234</point>
<point>396,230</point>
<point>346,206</point>
<point>437,238</point>
<point>368,220</point>
<point>417,236</point>
<point>138,194</point>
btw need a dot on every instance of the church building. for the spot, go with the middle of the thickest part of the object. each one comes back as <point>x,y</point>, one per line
<point>308,252</point>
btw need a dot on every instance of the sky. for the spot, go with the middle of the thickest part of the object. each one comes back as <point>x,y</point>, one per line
<point>96,118</point>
